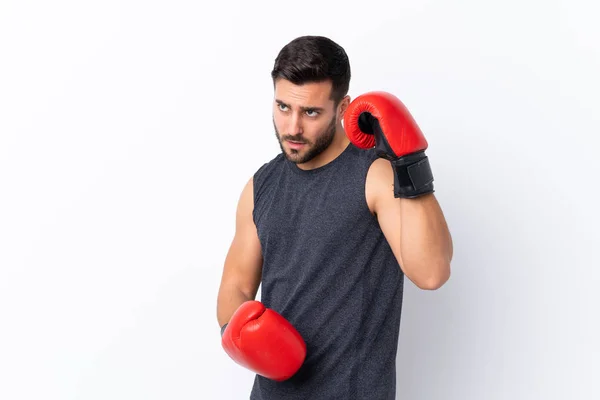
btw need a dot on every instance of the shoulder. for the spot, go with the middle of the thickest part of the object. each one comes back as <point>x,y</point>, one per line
<point>379,169</point>
<point>268,166</point>
<point>379,183</point>
<point>365,156</point>
<point>377,174</point>
<point>260,183</point>
<point>247,192</point>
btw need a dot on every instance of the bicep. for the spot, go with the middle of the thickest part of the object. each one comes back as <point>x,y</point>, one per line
<point>380,196</point>
<point>243,263</point>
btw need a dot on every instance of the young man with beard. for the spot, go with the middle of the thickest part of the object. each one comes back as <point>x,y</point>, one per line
<point>330,227</point>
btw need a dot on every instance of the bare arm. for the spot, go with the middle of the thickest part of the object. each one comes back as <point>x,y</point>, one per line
<point>243,263</point>
<point>415,229</point>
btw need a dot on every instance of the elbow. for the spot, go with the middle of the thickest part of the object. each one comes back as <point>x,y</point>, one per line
<point>436,279</point>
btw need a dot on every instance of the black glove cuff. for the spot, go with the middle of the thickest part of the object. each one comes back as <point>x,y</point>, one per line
<point>412,176</point>
<point>223,329</point>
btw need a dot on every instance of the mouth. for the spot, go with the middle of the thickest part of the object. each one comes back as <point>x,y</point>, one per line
<point>295,145</point>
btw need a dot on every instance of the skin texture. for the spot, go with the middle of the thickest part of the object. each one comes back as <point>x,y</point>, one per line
<point>415,228</point>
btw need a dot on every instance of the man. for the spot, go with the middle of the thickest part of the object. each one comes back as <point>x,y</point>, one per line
<point>329,228</point>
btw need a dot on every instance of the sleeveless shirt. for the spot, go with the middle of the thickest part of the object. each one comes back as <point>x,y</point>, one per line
<point>328,269</point>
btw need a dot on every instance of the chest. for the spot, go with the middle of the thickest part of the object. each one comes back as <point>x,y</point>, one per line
<point>315,212</point>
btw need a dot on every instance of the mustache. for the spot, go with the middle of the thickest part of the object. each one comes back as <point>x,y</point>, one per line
<point>297,139</point>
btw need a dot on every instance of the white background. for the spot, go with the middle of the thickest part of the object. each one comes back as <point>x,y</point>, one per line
<point>128,129</point>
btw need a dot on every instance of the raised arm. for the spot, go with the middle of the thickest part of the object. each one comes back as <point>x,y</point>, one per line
<point>400,187</point>
<point>415,228</point>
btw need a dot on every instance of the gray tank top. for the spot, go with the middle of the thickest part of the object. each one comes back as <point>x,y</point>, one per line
<point>329,270</point>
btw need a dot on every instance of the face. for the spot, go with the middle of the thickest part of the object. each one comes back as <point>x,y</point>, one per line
<point>305,119</point>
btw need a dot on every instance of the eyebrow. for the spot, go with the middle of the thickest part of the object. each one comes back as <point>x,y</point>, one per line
<point>304,108</point>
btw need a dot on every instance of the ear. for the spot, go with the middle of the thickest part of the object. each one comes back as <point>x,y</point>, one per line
<point>343,106</point>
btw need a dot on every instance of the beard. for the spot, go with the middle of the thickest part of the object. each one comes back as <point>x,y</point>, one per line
<point>311,149</point>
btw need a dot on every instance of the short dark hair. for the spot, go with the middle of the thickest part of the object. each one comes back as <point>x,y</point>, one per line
<point>308,59</point>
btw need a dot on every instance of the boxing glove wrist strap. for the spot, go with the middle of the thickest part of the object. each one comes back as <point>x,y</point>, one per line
<point>223,329</point>
<point>412,176</point>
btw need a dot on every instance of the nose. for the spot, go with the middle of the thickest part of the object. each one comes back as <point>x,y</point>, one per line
<point>295,125</point>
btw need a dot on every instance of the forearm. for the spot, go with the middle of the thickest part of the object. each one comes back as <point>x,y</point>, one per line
<point>230,298</point>
<point>426,243</point>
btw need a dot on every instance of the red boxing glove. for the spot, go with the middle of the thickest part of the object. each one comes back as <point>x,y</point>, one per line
<point>380,120</point>
<point>264,342</point>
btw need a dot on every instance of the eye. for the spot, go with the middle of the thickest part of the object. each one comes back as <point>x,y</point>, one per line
<point>312,113</point>
<point>282,107</point>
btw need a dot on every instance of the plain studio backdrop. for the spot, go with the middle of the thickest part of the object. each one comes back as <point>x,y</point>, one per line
<point>128,129</point>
